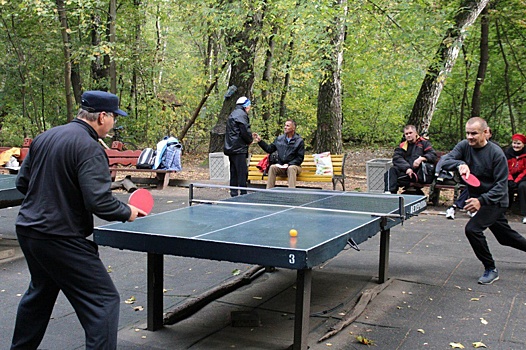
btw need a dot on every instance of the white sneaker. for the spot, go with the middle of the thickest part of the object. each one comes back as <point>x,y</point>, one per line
<point>524,220</point>
<point>450,213</point>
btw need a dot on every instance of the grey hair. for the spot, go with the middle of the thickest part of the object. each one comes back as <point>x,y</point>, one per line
<point>91,116</point>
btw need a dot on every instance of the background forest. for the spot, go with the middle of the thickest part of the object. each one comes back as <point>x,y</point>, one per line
<point>349,72</point>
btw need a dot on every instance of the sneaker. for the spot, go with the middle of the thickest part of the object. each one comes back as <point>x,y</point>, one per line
<point>489,277</point>
<point>450,213</point>
<point>524,220</point>
<point>472,214</point>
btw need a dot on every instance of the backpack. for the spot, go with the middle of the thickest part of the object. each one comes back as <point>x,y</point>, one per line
<point>146,159</point>
<point>169,152</point>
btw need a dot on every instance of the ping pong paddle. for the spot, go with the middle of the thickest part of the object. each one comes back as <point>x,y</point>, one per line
<point>471,180</point>
<point>142,199</point>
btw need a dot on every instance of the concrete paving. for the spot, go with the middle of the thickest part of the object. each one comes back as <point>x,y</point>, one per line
<point>433,299</point>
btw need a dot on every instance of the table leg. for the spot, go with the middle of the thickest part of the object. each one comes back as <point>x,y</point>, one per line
<point>155,272</point>
<point>302,309</point>
<point>384,255</point>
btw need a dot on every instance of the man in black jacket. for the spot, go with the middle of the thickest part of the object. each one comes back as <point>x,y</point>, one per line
<point>238,137</point>
<point>291,151</point>
<point>65,180</point>
<point>486,160</point>
<point>407,160</point>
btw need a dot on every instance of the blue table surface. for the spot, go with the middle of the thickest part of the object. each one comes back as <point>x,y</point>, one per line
<point>267,227</point>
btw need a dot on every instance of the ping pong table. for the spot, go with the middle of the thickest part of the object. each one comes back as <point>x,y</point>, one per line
<point>254,229</point>
<point>9,195</point>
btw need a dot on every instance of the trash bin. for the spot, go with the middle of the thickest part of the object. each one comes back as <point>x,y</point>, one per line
<point>375,170</point>
<point>219,166</point>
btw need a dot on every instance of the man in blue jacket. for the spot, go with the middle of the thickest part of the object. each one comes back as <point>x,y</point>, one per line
<point>238,137</point>
<point>486,160</point>
<point>291,151</point>
<point>65,180</point>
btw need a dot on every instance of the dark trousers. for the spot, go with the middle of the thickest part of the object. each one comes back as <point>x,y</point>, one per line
<point>238,172</point>
<point>394,178</point>
<point>492,217</point>
<point>73,266</point>
<point>521,196</point>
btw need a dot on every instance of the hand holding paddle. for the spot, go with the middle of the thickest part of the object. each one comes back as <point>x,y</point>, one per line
<point>467,177</point>
<point>142,200</point>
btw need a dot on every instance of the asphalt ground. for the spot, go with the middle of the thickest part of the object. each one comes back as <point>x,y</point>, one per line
<point>432,300</point>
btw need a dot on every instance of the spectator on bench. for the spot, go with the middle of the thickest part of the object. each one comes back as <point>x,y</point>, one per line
<point>407,159</point>
<point>291,151</point>
<point>516,155</point>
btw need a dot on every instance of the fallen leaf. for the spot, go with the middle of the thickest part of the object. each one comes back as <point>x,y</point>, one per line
<point>421,331</point>
<point>479,344</point>
<point>328,344</point>
<point>131,300</point>
<point>169,201</point>
<point>483,321</point>
<point>138,308</point>
<point>364,340</point>
<point>236,272</point>
<point>109,270</point>
<point>456,345</point>
<point>475,299</point>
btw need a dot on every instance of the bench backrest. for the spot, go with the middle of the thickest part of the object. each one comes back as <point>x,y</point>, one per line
<point>116,157</point>
<point>308,166</point>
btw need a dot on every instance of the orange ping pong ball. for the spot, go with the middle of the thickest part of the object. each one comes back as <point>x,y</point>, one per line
<point>293,233</point>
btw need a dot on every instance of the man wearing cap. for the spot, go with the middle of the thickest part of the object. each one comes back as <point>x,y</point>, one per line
<point>238,137</point>
<point>516,155</point>
<point>486,160</point>
<point>65,180</point>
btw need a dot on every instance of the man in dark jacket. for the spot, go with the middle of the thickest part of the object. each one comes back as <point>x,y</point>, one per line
<point>291,151</point>
<point>238,137</point>
<point>407,160</point>
<point>65,180</point>
<point>486,160</point>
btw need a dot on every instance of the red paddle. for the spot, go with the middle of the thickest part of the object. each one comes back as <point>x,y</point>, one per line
<point>142,199</point>
<point>471,180</point>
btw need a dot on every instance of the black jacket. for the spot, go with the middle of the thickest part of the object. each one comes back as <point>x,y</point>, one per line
<point>406,154</point>
<point>65,179</point>
<point>291,153</point>
<point>238,135</point>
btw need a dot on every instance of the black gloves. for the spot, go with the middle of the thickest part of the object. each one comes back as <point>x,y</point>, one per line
<point>512,185</point>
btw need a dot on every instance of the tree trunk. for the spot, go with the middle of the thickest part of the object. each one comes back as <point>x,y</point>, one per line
<point>242,74</point>
<point>506,80</point>
<point>265,92</point>
<point>329,114</point>
<point>112,30</point>
<point>61,9</point>
<point>483,64</point>
<point>425,103</point>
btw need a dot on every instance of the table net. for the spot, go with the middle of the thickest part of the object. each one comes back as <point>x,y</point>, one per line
<point>301,198</point>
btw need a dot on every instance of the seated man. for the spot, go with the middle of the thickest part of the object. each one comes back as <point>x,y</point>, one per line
<point>291,151</point>
<point>407,159</point>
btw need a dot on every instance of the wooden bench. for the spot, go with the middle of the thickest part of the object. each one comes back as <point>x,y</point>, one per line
<point>125,161</point>
<point>23,153</point>
<point>308,173</point>
<point>436,186</point>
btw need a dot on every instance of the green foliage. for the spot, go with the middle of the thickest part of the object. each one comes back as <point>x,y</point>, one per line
<point>168,53</point>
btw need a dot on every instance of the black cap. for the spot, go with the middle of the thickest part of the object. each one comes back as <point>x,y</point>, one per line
<point>101,101</point>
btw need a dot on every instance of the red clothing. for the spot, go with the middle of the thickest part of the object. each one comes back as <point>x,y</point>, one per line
<point>517,168</point>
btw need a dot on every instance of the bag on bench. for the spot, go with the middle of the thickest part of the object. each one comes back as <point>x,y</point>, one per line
<point>146,159</point>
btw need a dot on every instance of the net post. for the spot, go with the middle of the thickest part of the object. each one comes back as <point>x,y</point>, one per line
<point>190,194</point>
<point>401,208</point>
